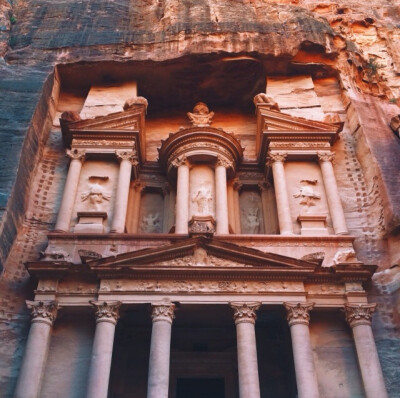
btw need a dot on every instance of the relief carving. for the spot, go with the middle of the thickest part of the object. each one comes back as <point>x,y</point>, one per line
<point>251,220</point>
<point>194,286</point>
<point>203,201</point>
<point>345,256</point>
<point>263,99</point>
<point>201,116</point>
<point>307,194</point>
<point>151,223</point>
<point>96,194</point>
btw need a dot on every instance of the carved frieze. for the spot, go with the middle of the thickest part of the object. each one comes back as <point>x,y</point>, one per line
<point>199,286</point>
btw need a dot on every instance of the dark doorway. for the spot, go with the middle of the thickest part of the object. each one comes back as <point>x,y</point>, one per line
<point>200,388</point>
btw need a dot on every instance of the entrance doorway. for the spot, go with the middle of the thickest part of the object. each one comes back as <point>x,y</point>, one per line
<point>200,388</point>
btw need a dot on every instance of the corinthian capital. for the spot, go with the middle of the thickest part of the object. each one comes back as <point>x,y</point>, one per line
<point>106,311</point>
<point>326,156</point>
<point>181,161</point>
<point>43,311</point>
<point>77,154</point>
<point>359,314</point>
<point>127,155</point>
<point>245,312</point>
<point>162,312</point>
<point>224,163</point>
<point>276,157</point>
<point>298,313</point>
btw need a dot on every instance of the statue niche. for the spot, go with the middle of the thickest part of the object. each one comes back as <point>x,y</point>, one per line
<point>251,216</point>
<point>151,213</point>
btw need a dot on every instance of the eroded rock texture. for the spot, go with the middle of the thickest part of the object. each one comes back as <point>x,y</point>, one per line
<point>349,52</point>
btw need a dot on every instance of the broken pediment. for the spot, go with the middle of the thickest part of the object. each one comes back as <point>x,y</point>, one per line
<point>121,129</point>
<point>277,130</point>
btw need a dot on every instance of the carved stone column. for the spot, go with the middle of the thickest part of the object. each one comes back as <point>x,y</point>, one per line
<point>359,318</point>
<point>138,187</point>
<point>221,202</point>
<point>182,196</point>
<point>282,199</point>
<point>236,189</point>
<point>298,317</point>
<point>126,158</point>
<point>332,193</point>
<point>107,315</point>
<point>245,318</point>
<point>31,373</point>
<point>162,316</point>
<point>231,207</point>
<point>71,186</point>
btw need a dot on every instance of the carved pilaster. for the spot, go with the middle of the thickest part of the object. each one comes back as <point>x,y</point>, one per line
<point>162,312</point>
<point>42,311</point>
<point>77,154</point>
<point>359,314</point>
<point>245,312</point>
<point>326,156</point>
<point>106,311</point>
<point>298,313</point>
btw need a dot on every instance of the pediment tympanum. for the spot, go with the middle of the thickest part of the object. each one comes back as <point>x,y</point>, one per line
<point>117,130</point>
<point>201,257</point>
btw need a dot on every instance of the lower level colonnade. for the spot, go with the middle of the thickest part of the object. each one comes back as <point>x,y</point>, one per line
<point>160,362</point>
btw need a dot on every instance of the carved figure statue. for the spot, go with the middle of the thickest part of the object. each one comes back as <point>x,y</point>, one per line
<point>251,220</point>
<point>201,116</point>
<point>151,223</point>
<point>345,256</point>
<point>307,194</point>
<point>203,201</point>
<point>96,195</point>
<point>263,98</point>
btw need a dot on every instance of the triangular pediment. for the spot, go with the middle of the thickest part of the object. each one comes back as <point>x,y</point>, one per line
<point>273,120</point>
<point>200,252</point>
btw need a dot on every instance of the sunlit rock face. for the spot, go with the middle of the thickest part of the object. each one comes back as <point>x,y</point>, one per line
<point>323,61</point>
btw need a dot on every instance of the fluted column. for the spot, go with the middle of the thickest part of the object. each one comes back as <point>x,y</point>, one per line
<point>158,381</point>
<point>298,317</point>
<point>236,189</point>
<point>182,196</point>
<point>33,364</point>
<point>138,187</point>
<point>282,199</point>
<point>332,193</point>
<point>359,318</point>
<point>126,158</point>
<point>71,186</point>
<point>221,196</point>
<point>245,318</point>
<point>107,314</point>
